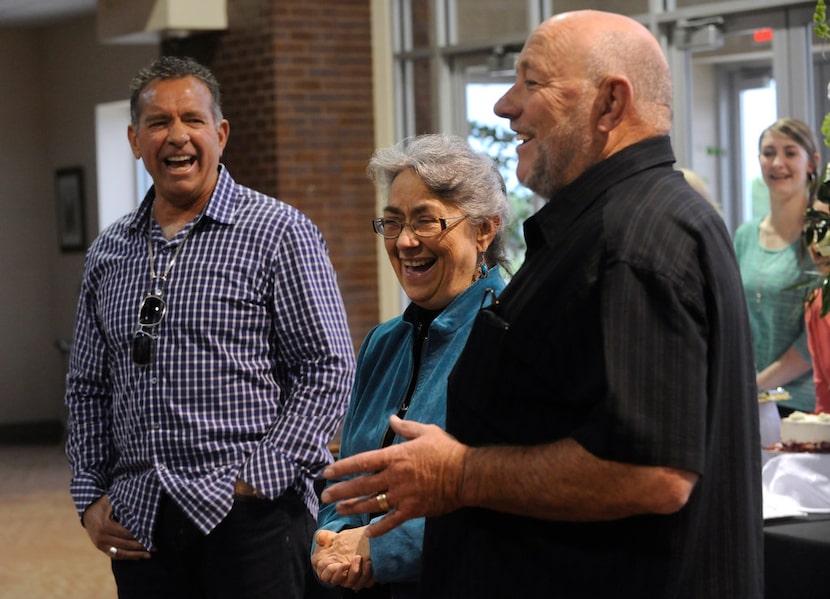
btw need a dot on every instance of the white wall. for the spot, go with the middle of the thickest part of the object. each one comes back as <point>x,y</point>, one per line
<point>117,167</point>
<point>28,364</point>
<point>53,78</point>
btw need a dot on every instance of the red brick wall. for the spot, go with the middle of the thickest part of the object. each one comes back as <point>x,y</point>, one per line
<point>296,80</point>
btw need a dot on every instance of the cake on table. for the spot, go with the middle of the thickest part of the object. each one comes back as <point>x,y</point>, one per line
<point>806,432</point>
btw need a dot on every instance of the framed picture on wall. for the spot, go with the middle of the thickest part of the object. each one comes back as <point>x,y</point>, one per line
<point>69,197</point>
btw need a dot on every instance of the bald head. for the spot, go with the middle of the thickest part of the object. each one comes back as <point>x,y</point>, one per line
<point>608,44</point>
<point>588,84</point>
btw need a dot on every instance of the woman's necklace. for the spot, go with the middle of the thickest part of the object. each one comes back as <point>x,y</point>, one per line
<point>758,294</point>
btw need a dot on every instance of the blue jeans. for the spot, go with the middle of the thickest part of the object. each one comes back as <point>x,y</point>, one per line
<point>259,551</point>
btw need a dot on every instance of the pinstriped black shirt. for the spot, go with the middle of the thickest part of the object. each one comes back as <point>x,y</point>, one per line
<point>626,329</point>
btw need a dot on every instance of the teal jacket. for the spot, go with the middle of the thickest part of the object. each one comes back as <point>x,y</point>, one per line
<point>384,370</point>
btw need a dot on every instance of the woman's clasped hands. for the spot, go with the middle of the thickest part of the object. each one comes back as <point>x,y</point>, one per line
<point>343,558</point>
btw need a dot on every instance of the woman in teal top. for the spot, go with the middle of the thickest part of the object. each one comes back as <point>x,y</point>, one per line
<point>443,230</point>
<point>774,261</point>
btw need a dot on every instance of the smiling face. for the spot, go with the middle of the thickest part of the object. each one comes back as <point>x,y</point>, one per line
<point>785,166</point>
<point>549,107</point>
<point>179,140</point>
<point>432,271</point>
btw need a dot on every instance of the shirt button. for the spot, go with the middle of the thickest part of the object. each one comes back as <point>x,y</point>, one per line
<point>154,381</point>
<point>160,467</point>
<point>156,426</point>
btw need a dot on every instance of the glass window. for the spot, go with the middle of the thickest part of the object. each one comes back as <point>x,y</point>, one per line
<point>425,121</point>
<point>623,7</point>
<point>491,134</point>
<point>757,112</point>
<point>716,125</point>
<point>478,20</point>
<point>687,3</point>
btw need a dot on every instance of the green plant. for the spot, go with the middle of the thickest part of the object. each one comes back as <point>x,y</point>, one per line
<point>500,144</point>
<point>819,282</point>
<point>822,30</point>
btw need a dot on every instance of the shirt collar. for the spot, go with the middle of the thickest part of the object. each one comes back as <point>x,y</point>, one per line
<point>457,311</point>
<point>220,208</point>
<point>563,209</point>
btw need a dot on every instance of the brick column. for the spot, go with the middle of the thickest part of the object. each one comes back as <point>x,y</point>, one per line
<point>297,89</point>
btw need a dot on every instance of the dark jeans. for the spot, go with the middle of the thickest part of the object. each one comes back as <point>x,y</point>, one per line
<point>259,551</point>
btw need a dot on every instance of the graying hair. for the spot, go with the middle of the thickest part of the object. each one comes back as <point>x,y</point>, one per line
<point>173,67</point>
<point>456,174</point>
<point>618,52</point>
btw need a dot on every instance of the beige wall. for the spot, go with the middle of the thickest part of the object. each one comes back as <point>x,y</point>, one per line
<point>52,79</point>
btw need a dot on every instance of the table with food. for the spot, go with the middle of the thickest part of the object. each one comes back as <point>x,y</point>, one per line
<point>796,488</point>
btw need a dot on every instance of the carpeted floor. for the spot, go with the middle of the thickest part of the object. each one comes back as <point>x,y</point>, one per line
<point>44,551</point>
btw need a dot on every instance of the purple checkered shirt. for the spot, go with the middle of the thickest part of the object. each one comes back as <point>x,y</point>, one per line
<point>251,371</point>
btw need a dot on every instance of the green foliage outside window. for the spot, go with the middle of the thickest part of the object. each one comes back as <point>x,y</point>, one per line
<point>822,29</point>
<point>499,143</point>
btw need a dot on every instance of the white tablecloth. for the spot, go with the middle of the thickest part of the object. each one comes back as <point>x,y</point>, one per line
<point>796,483</point>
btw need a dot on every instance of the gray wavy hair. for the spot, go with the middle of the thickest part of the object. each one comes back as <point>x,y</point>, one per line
<point>456,174</point>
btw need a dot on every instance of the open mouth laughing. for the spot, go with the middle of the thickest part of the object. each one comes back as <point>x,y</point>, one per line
<point>180,162</point>
<point>418,266</point>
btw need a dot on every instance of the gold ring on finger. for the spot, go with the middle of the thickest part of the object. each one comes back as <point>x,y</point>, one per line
<point>383,502</point>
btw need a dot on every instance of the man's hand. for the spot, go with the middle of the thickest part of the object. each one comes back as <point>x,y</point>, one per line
<point>108,535</point>
<point>343,558</point>
<point>421,477</point>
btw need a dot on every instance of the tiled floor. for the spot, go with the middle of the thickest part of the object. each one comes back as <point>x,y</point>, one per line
<point>44,551</point>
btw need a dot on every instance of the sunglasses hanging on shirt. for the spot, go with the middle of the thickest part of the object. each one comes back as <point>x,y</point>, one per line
<point>150,313</point>
<point>153,307</point>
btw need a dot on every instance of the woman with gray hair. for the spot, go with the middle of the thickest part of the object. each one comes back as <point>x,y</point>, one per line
<point>443,229</point>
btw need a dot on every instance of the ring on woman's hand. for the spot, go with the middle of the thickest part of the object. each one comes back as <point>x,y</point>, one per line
<point>383,502</point>
<point>113,551</point>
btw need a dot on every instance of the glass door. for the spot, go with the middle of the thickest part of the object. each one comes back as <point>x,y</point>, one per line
<point>752,69</point>
<point>734,74</point>
<point>755,110</point>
